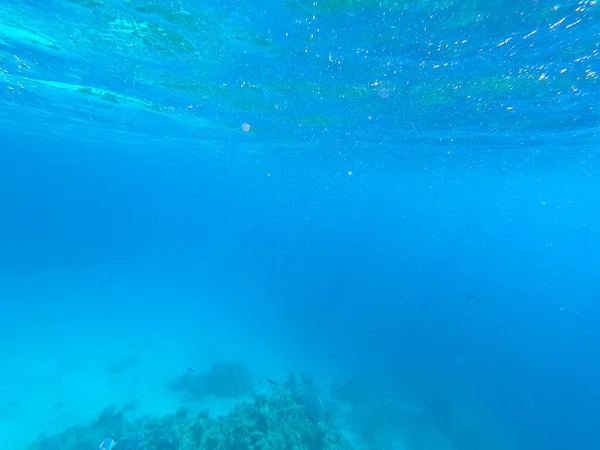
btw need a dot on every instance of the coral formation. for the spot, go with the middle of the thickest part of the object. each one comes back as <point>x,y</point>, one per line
<point>292,417</point>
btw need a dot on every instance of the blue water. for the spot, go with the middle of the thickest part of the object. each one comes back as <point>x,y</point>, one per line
<point>399,199</point>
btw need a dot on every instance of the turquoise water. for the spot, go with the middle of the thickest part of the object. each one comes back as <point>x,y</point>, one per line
<point>342,224</point>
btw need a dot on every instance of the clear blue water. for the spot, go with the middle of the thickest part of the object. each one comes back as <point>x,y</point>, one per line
<point>398,198</point>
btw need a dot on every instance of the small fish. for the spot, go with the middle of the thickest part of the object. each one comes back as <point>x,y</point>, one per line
<point>272,382</point>
<point>107,444</point>
<point>189,369</point>
<point>570,311</point>
<point>332,355</point>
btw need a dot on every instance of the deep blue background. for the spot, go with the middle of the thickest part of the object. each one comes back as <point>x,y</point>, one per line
<point>452,275</point>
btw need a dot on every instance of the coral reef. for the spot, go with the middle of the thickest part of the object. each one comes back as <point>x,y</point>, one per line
<point>292,417</point>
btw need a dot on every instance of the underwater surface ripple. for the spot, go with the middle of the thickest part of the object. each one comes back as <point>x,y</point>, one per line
<point>432,72</point>
<point>333,224</point>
